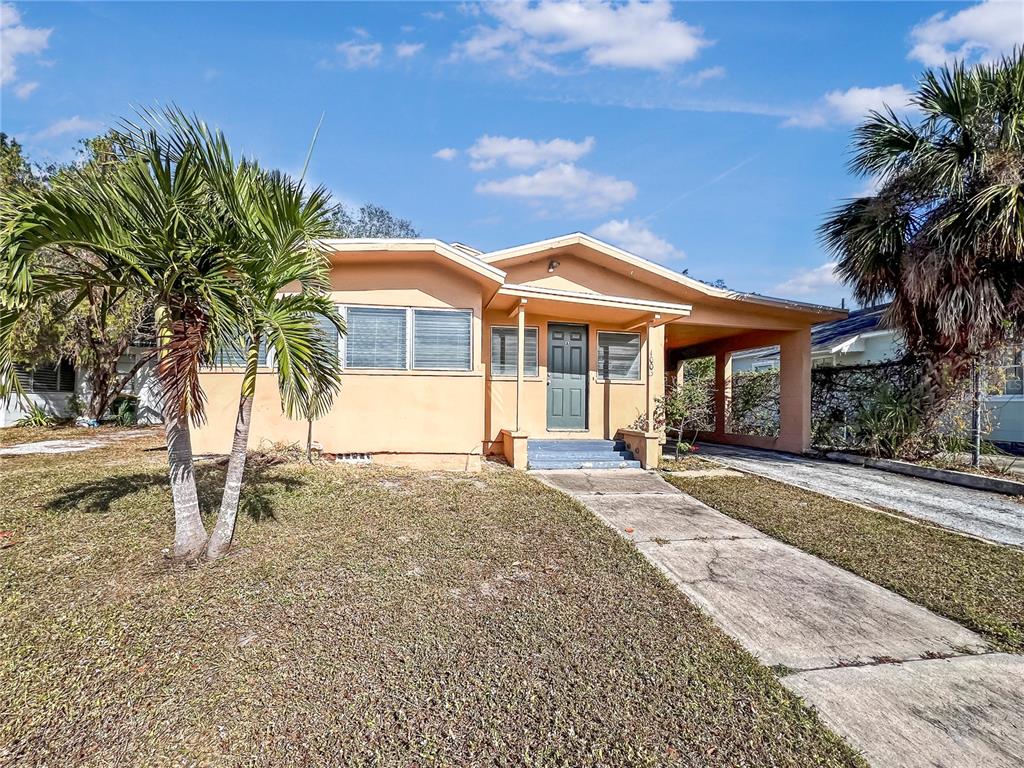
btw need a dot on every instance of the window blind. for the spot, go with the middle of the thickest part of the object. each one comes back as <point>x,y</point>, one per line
<point>618,356</point>
<point>442,340</point>
<point>47,377</point>
<point>330,331</point>
<point>233,357</point>
<point>375,338</point>
<point>504,351</point>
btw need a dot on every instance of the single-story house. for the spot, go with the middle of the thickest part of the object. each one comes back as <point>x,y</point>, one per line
<point>452,354</point>
<point>53,386</point>
<point>861,339</point>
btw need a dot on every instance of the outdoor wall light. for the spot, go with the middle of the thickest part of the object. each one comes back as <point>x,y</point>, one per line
<point>553,265</point>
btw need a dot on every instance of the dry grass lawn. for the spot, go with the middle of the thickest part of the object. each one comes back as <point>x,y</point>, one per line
<point>369,617</point>
<point>978,584</point>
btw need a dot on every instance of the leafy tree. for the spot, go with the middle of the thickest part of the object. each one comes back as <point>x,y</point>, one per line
<point>943,237</point>
<point>15,169</point>
<point>92,326</point>
<point>153,226</point>
<point>370,221</point>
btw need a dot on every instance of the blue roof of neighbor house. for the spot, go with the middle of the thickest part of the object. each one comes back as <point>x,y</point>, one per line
<point>825,336</point>
<point>837,331</point>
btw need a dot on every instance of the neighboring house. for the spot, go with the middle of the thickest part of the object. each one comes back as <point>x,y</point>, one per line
<point>52,386</point>
<point>859,339</point>
<point>451,354</point>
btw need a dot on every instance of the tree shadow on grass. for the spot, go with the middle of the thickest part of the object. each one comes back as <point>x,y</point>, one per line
<point>100,495</point>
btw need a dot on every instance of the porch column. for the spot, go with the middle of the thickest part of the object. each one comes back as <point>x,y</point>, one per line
<point>795,391</point>
<point>655,368</point>
<point>520,359</point>
<point>723,389</point>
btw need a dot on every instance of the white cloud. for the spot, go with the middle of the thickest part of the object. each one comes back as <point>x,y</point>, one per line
<point>984,31</point>
<point>25,90</point>
<point>358,55</point>
<point>811,282</point>
<point>698,79</point>
<point>76,125</point>
<point>631,35</point>
<point>489,151</point>
<point>433,15</point>
<point>579,190</point>
<point>635,237</point>
<point>447,153</point>
<point>851,106</point>
<point>17,40</point>
<point>408,50</point>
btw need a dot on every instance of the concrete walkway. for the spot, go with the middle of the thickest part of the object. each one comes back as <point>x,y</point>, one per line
<point>991,516</point>
<point>864,656</point>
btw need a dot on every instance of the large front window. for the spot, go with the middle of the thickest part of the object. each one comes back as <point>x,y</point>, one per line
<point>400,338</point>
<point>376,337</point>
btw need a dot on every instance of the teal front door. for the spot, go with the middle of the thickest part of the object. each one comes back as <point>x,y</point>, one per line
<point>567,376</point>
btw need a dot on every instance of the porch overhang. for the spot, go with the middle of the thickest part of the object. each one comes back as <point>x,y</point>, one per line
<point>580,305</point>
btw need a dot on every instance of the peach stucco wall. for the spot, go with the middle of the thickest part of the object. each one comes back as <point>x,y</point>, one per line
<point>423,418</point>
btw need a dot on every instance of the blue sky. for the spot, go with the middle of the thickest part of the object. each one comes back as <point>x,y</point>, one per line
<point>706,136</point>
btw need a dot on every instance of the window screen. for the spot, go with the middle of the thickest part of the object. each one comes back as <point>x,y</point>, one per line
<point>504,352</point>
<point>442,340</point>
<point>375,338</point>
<point>618,356</point>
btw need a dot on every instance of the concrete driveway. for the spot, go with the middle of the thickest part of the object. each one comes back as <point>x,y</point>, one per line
<point>991,516</point>
<point>905,686</point>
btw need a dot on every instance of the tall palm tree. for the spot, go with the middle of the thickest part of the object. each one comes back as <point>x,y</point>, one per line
<point>154,227</point>
<point>282,277</point>
<point>943,237</point>
<point>278,228</point>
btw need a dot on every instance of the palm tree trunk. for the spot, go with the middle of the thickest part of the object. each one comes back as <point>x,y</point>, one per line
<point>224,530</point>
<point>189,532</point>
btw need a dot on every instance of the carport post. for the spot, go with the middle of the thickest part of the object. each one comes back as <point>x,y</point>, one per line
<point>723,386</point>
<point>795,391</point>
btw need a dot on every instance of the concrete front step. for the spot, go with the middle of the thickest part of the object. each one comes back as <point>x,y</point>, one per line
<point>579,454</point>
<point>583,464</point>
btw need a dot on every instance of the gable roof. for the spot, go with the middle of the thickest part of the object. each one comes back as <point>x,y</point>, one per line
<point>637,262</point>
<point>457,256</point>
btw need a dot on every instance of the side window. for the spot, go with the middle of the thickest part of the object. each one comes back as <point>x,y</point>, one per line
<point>442,340</point>
<point>505,351</point>
<point>618,356</point>
<point>376,338</point>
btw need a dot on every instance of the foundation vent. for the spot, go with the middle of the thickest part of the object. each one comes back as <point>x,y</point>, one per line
<point>354,458</point>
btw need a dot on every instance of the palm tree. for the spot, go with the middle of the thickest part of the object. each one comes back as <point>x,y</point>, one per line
<point>274,229</point>
<point>154,227</point>
<point>278,228</point>
<point>943,237</point>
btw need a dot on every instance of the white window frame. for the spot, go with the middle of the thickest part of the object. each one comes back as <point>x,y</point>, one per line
<point>410,337</point>
<point>640,358</point>
<point>512,377</point>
